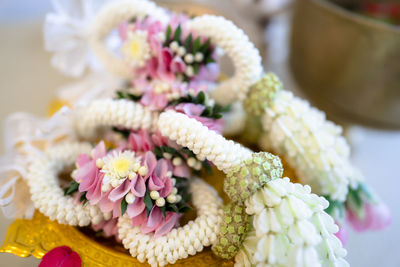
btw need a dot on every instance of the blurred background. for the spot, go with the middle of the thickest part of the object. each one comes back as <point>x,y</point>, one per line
<point>344,56</point>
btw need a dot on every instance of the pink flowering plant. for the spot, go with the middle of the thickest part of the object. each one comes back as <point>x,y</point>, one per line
<point>171,66</point>
<point>145,178</point>
<point>362,210</point>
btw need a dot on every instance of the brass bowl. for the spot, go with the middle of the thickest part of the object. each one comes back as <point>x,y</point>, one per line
<point>348,64</point>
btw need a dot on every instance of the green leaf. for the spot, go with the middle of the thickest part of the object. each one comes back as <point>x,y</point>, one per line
<point>133,97</point>
<point>188,42</point>
<point>164,211</point>
<point>207,167</point>
<point>184,209</point>
<point>124,133</point>
<point>210,60</point>
<point>205,46</point>
<point>124,206</point>
<point>196,68</point>
<point>174,208</point>
<point>177,35</point>
<point>168,34</point>
<point>148,202</point>
<point>200,98</point>
<point>72,188</point>
<point>83,198</point>
<point>120,95</point>
<point>365,191</point>
<point>196,45</point>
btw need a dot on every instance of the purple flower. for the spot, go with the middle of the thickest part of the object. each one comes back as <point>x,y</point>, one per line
<point>194,111</point>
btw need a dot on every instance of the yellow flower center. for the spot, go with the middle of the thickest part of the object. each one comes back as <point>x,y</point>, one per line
<point>122,165</point>
<point>134,48</point>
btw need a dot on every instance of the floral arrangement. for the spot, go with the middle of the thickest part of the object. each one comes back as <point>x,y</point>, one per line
<point>135,137</point>
<point>315,148</point>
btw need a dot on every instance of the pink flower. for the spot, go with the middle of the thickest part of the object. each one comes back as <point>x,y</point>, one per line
<point>207,73</point>
<point>109,228</point>
<point>342,234</point>
<point>374,217</point>
<point>140,141</point>
<point>157,223</point>
<point>61,257</point>
<point>89,176</point>
<point>154,100</point>
<point>194,111</point>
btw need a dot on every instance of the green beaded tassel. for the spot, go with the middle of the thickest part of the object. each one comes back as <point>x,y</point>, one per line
<point>262,93</point>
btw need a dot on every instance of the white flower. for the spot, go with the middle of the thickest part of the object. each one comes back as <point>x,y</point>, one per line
<point>289,228</point>
<point>118,166</point>
<point>312,145</point>
<point>136,49</point>
<point>65,34</point>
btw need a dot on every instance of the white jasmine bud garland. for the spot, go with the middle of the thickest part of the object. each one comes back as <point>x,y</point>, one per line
<point>299,205</point>
<point>109,17</point>
<point>312,145</point>
<point>180,242</point>
<point>206,144</point>
<point>236,44</point>
<point>108,112</point>
<point>290,228</point>
<point>47,195</point>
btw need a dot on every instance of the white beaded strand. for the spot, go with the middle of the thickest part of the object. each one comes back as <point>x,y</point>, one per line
<point>109,112</point>
<point>245,57</point>
<point>108,19</point>
<point>46,193</point>
<point>206,144</point>
<point>312,145</point>
<point>180,242</point>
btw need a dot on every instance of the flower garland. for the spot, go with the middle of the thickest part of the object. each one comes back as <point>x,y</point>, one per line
<point>236,44</point>
<point>109,112</point>
<point>315,148</point>
<point>180,242</point>
<point>297,210</point>
<point>109,17</point>
<point>46,193</point>
<point>290,228</point>
<point>145,178</point>
<point>204,143</point>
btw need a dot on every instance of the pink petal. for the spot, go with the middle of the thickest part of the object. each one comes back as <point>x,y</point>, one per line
<point>138,187</point>
<point>342,234</point>
<point>86,175</point>
<point>162,168</point>
<point>134,142</point>
<point>170,222</point>
<point>147,145</point>
<point>94,194</point>
<point>167,187</point>
<point>181,171</point>
<point>140,219</point>
<point>376,217</point>
<point>150,161</point>
<point>100,150</point>
<point>158,139</point>
<point>136,208</point>
<point>177,65</point>
<point>155,183</point>
<point>105,204</point>
<point>155,217</point>
<point>83,159</point>
<point>61,257</point>
<point>117,209</point>
<point>119,192</point>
